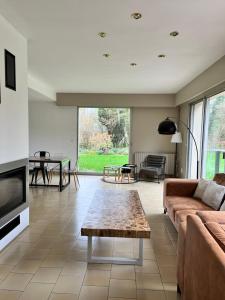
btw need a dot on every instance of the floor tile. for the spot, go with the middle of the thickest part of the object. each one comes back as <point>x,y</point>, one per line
<point>121,298</point>
<point>104,267</point>
<point>37,254</point>
<point>93,293</point>
<point>16,281</point>
<point>168,273</point>
<point>37,291</point>
<point>122,272</point>
<point>122,288</point>
<point>149,281</point>
<point>63,297</point>
<point>97,278</point>
<point>69,284</point>
<point>4,271</point>
<point>73,267</point>
<point>51,252</point>
<point>54,261</point>
<point>150,295</point>
<point>27,266</point>
<point>9,295</point>
<point>46,275</point>
<point>166,260</point>
<point>149,266</point>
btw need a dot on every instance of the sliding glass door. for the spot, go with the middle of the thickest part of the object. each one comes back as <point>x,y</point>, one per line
<point>208,126</point>
<point>214,139</point>
<point>104,135</point>
<point>197,115</point>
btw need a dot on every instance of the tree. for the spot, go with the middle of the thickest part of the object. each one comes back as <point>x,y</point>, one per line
<point>108,117</point>
<point>116,121</point>
<point>216,131</point>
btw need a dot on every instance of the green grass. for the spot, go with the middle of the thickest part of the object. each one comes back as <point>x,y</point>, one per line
<point>93,162</point>
<point>210,164</point>
<point>96,162</point>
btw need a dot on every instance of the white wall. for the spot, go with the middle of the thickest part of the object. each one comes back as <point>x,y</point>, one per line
<point>14,104</point>
<point>52,128</point>
<point>202,84</point>
<point>144,131</point>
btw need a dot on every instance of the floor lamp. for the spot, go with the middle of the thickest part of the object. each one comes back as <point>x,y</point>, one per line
<point>168,127</point>
<point>176,139</point>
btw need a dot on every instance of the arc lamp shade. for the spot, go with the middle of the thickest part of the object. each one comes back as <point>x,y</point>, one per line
<point>167,127</point>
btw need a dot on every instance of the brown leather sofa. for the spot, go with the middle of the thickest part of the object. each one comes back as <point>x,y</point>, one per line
<point>202,256</point>
<point>178,200</point>
<point>206,217</point>
<point>179,204</point>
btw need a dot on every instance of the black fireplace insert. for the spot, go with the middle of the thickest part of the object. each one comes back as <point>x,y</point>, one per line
<point>13,190</point>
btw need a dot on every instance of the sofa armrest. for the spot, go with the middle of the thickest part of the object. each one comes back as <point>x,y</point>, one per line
<point>204,266</point>
<point>212,216</point>
<point>180,187</point>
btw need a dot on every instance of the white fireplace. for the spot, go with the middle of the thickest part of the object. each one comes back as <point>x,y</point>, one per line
<point>14,210</point>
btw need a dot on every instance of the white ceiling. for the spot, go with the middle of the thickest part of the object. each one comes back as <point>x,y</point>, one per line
<point>66,52</point>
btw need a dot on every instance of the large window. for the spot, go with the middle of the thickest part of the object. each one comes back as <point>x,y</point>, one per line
<point>104,135</point>
<point>208,126</point>
<point>214,141</point>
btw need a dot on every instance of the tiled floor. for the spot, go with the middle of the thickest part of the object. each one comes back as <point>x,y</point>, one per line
<point>48,260</point>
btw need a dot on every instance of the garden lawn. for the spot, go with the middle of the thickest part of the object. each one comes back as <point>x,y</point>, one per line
<point>211,162</point>
<point>96,162</point>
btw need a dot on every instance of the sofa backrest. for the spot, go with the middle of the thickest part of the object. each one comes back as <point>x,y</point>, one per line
<point>218,233</point>
<point>204,266</point>
<point>219,178</point>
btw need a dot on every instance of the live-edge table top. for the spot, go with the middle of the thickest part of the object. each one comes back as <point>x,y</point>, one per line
<point>116,213</point>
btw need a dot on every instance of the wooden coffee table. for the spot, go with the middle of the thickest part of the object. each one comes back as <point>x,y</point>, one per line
<point>116,213</point>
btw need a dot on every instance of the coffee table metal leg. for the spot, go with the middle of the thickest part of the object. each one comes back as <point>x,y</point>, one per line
<point>114,260</point>
<point>89,248</point>
<point>140,258</point>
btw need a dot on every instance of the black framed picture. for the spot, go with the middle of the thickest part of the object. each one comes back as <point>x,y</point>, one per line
<point>10,70</point>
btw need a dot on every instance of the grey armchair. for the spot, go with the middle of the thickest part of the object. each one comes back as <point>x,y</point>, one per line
<point>153,167</point>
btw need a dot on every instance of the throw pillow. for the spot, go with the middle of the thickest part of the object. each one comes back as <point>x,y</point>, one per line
<point>222,207</point>
<point>201,187</point>
<point>213,195</point>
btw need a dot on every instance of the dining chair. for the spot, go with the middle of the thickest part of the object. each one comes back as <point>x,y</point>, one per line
<point>74,173</point>
<point>55,168</point>
<point>42,166</point>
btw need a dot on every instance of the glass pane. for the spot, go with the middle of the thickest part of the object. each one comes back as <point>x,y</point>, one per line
<point>215,136</point>
<point>196,127</point>
<point>103,138</point>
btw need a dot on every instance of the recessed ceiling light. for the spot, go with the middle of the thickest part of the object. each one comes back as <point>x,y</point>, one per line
<point>133,64</point>
<point>136,15</point>
<point>106,55</point>
<point>161,55</point>
<point>174,33</point>
<point>102,34</point>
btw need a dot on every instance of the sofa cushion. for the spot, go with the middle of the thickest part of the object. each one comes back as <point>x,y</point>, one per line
<point>213,195</point>
<point>172,200</point>
<point>212,216</point>
<point>218,233</point>
<point>222,206</point>
<point>201,187</point>
<point>184,203</point>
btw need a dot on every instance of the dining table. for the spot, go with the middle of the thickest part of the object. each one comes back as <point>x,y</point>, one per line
<point>59,163</point>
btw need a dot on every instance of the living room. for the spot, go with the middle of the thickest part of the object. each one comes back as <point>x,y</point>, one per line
<point>59,59</point>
